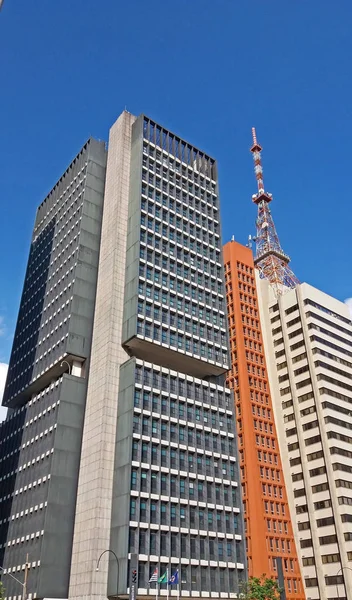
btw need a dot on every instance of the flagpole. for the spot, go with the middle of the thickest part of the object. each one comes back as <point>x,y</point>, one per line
<point>167,589</point>
<point>178,586</point>
<point>157,583</point>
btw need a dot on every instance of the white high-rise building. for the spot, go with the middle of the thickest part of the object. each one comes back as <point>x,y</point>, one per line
<point>308,343</point>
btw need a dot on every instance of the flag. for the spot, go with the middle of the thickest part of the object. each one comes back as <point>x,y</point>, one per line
<point>173,579</point>
<point>154,577</point>
<point>163,578</point>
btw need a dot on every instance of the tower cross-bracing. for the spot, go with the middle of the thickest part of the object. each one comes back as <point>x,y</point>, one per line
<point>271,260</point>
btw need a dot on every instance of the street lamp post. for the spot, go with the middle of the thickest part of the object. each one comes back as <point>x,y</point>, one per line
<point>118,568</point>
<point>24,584</point>
<point>337,574</point>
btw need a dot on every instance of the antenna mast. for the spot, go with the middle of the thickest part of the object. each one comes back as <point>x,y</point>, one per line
<point>271,260</point>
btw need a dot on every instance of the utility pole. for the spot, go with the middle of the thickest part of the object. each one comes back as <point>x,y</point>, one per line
<point>25,579</point>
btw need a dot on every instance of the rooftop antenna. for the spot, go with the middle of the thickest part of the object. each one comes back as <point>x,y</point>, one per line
<point>251,239</point>
<point>258,169</point>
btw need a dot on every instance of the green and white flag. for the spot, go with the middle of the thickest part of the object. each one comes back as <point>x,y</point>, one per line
<point>164,578</point>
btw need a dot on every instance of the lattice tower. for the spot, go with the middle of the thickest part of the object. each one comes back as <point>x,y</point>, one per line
<point>270,259</point>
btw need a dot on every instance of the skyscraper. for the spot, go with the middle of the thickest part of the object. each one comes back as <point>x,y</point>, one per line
<point>308,342</point>
<point>158,475</point>
<point>268,527</point>
<point>307,338</point>
<point>46,385</point>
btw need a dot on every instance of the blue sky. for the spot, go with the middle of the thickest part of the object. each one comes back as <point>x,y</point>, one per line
<point>208,70</point>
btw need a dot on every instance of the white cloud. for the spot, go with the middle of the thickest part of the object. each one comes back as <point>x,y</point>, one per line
<point>3,373</point>
<point>348,301</point>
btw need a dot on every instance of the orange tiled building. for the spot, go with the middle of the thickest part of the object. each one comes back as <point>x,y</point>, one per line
<point>268,527</point>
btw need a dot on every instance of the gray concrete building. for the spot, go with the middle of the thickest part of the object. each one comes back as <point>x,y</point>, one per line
<point>153,467</point>
<point>40,441</point>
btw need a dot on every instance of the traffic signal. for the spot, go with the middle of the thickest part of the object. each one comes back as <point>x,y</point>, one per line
<point>133,577</point>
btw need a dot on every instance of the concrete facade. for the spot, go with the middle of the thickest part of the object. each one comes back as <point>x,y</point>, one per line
<point>94,495</point>
<point>175,496</point>
<point>40,441</point>
<point>308,341</point>
<point>57,304</point>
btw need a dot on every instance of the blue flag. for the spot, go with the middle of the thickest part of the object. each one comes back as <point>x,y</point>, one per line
<point>173,579</point>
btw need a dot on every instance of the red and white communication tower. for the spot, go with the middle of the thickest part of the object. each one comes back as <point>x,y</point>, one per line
<point>271,260</point>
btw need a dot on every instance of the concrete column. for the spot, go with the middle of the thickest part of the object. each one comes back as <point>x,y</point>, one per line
<point>94,494</point>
